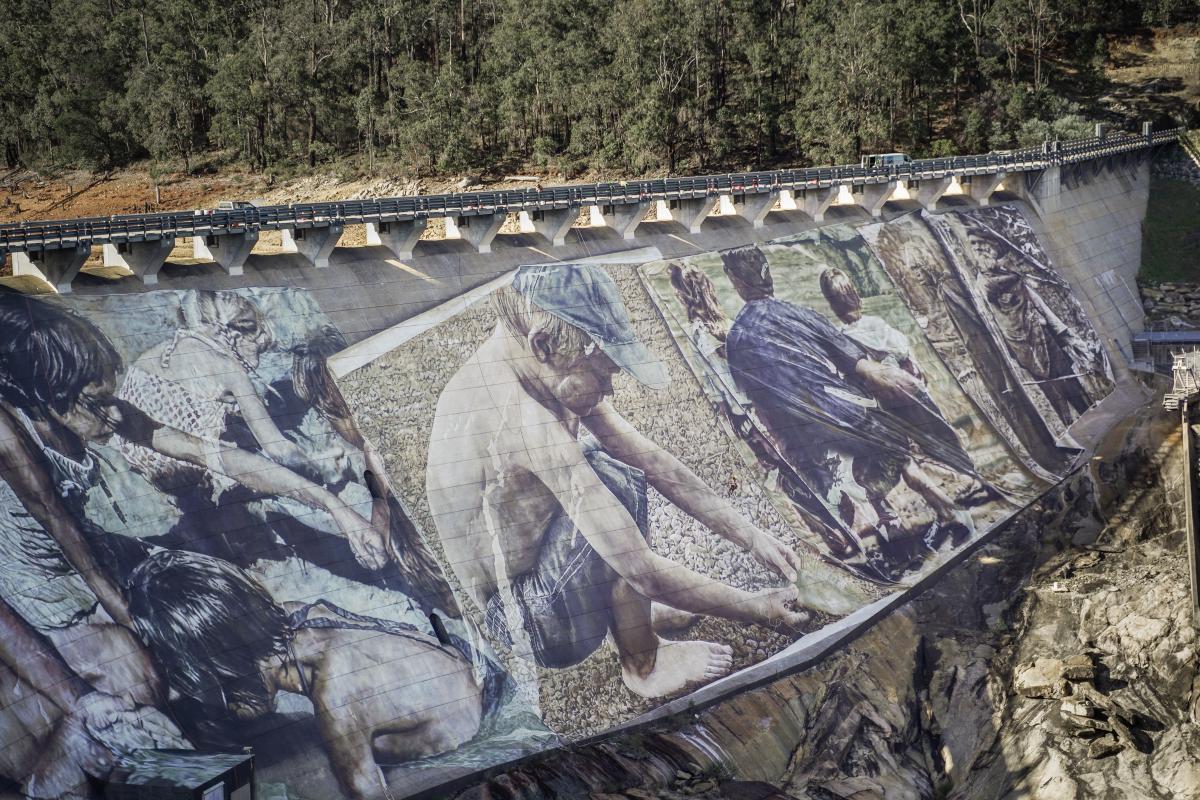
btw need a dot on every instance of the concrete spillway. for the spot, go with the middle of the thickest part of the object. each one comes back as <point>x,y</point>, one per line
<point>397,522</point>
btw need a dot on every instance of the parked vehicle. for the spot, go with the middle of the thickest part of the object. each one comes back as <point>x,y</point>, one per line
<point>885,160</point>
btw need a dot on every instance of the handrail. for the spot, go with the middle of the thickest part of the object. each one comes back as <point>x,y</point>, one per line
<point>57,234</point>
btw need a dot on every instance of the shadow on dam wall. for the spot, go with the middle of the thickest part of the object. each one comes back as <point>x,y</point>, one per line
<point>394,524</point>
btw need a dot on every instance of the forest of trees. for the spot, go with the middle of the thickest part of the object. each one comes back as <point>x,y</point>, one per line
<point>635,86</point>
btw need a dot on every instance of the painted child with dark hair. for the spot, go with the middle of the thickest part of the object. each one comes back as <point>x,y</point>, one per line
<point>873,332</point>
<point>58,571</point>
<point>382,691</point>
<point>889,346</point>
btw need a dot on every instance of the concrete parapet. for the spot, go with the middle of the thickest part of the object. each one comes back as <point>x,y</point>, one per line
<point>751,207</point>
<point>982,187</point>
<point>624,219</point>
<point>475,231</point>
<point>689,213</point>
<point>875,195</point>
<point>228,251</point>
<point>552,224</point>
<point>314,244</point>
<point>143,259</point>
<point>56,267</point>
<point>399,237</point>
<point>815,202</point>
<point>930,191</point>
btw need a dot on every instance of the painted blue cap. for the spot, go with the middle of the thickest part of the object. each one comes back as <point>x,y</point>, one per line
<point>585,296</point>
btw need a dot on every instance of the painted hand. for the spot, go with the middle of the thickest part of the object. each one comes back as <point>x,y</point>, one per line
<point>775,555</point>
<point>366,542</point>
<point>887,384</point>
<point>776,608</point>
<point>86,740</point>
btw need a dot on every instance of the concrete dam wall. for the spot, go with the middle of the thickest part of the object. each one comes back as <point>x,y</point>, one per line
<point>393,523</point>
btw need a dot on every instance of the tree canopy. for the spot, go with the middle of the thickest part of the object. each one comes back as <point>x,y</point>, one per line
<point>635,86</point>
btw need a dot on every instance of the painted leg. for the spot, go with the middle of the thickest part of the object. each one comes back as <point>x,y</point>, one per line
<point>654,667</point>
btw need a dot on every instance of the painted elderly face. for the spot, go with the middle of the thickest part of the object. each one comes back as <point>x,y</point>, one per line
<point>95,415</point>
<point>986,249</point>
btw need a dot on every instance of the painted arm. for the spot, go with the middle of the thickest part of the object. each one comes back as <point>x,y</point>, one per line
<point>33,659</point>
<point>258,419</point>
<point>264,475</point>
<point>615,536</point>
<point>73,750</point>
<point>676,482</point>
<point>350,750</point>
<point>892,386</point>
<point>25,473</point>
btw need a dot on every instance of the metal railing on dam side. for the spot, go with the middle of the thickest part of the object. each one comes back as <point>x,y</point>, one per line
<point>58,234</point>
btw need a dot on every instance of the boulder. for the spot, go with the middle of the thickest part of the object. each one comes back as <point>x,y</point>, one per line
<point>1042,679</point>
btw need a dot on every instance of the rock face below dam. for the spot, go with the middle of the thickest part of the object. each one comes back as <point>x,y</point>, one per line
<point>402,526</point>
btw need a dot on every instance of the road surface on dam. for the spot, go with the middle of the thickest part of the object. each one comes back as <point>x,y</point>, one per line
<point>395,522</point>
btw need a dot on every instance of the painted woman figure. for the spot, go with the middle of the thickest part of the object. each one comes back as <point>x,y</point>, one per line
<point>314,387</point>
<point>201,382</point>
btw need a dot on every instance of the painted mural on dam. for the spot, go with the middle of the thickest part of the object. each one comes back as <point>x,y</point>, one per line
<point>201,550</point>
<point>533,512</point>
<point>1001,319</point>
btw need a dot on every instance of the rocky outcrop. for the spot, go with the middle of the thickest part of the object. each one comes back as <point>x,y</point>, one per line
<point>1166,300</point>
<point>938,700</point>
<point>1176,163</point>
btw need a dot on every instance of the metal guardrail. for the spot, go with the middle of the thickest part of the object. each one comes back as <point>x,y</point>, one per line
<point>59,234</point>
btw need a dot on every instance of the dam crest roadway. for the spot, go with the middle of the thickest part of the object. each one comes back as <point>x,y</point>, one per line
<point>56,250</point>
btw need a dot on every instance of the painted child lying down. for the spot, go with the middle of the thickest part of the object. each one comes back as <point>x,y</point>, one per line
<point>381,690</point>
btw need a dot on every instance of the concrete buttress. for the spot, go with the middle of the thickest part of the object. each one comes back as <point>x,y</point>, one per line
<point>56,267</point>
<point>624,219</point>
<point>875,196</point>
<point>228,251</point>
<point>982,187</point>
<point>314,244</point>
<point>815,202</point>
<point>143,259</point>
<point>689,213</point>
<point>400,237</point>
<point>553,224</point>
<point>750,207</point>
<point>930,191</point>
<point>476,231</point>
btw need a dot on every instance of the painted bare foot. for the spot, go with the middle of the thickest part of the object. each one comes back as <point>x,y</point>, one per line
<point>679,666</point>
<point>665,618</point>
